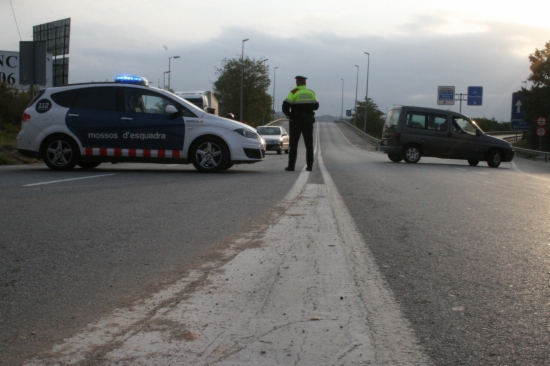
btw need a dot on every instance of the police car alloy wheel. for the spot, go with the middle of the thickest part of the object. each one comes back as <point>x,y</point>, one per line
<point>60,153</point>
<point>210,154</point>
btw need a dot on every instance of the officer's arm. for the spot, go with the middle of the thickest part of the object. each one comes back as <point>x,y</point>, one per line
<point>286,108</point>
<point>315,105</point>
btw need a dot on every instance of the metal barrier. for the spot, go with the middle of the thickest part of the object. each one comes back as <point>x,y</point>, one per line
<point>276,121</point>
<point>533,153</point>
<point>372,139</point>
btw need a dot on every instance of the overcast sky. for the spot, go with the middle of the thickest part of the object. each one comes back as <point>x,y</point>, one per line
<point>414,46</point>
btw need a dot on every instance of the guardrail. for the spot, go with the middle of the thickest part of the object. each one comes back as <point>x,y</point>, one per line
<point>533,153</point>
<point>363,134</point>
<point>276,121</point>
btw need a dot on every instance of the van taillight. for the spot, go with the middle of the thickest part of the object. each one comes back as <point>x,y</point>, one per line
<point>26,117</point>
<point>398,137</point>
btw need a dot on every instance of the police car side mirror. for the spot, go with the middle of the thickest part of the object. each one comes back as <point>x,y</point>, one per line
<point>170,109</point>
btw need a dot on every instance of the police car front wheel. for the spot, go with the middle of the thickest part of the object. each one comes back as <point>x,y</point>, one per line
<point>210,154</point>
<point>60,152</point>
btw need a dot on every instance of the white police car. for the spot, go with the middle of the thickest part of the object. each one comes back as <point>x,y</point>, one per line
<point>128,121</point>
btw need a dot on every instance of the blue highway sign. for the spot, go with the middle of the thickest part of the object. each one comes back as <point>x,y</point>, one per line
<point>446,95</point>
<point>475,95</point>
<point>517,121</point>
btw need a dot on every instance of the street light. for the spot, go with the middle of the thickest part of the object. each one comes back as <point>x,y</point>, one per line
<point>367,93</point>
<point>356,85</point>
<point>274,73</point>
<point>242,79</point>
<point>164,80</point>
<point>342,108</point>
<point>169,69</point>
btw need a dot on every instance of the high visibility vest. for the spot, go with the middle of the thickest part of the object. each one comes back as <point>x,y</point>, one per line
<point>301,95</point>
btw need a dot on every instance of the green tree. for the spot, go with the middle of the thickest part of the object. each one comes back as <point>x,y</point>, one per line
<point>536,100</point>
<point>256,101</point>
<point>374,118</point>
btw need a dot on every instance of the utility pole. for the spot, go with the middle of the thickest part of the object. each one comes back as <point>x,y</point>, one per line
<point>461,97</point>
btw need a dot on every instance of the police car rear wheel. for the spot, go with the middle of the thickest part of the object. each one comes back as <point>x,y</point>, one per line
<point>210,155</point>
<point>60,153</point>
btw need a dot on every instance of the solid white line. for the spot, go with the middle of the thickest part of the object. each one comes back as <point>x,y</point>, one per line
<point>386,319</point>
<point>66,180</point>
<point>530,175</point>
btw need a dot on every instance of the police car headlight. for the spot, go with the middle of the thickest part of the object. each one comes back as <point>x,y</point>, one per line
<point>248,134</point>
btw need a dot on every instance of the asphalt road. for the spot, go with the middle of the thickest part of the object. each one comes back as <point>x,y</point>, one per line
<point>464,250</point>
<point>72,251</point>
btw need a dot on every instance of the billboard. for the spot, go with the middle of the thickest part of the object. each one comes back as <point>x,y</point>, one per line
<point>57,37</point>
<point>9,69</point>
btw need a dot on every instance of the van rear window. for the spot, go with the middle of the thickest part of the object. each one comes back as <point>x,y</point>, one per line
<point>392,118</point>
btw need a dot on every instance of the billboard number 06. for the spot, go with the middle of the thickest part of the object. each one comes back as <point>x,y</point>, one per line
<point>7,78</point>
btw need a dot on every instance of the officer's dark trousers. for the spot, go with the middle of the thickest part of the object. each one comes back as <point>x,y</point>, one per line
<point>297,128</point>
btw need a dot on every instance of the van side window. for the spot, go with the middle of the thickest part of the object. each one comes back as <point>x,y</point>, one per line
<point>437,122</point>
<point>463,125</point>
<point>416,120</point>
<point>101,98</point>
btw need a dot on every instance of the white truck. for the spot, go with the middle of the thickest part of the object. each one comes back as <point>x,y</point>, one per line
<point>205,100</point>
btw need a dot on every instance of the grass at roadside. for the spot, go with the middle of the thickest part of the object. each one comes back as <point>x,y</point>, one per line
<point>8,150</point>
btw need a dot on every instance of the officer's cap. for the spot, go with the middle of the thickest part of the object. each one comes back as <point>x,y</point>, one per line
<point>300,77</point>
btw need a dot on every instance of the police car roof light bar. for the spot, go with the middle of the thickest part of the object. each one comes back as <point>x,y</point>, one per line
<point>128,79</point>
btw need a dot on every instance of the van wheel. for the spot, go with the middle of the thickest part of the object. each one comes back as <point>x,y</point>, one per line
<point>412,154</point>
<point>60,152</point>
<point>280,150</point>
<point>209,154</point>
<point>89,164</point>
<point>395,157</point>
<point>494,158</point>
<point>473,162</point>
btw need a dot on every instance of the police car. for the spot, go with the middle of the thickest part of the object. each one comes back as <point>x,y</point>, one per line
<point>128,121</point>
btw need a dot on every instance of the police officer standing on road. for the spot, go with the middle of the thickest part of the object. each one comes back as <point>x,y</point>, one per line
<point>298,107</point>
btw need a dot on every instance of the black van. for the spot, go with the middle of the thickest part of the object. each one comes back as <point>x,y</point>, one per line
<point>412,132</point>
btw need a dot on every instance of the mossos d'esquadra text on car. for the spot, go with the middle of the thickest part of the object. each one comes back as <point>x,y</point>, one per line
<point>129,121</point>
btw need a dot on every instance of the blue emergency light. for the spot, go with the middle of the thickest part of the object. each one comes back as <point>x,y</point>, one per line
<point>128,79</point>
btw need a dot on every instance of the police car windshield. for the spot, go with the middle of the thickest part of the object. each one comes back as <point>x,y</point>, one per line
<point>269,131</point>
<point>190,105</point>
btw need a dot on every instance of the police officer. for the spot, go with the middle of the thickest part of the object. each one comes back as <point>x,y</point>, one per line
<point>298,107</point>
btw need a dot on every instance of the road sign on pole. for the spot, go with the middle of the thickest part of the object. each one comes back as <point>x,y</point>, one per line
<point>541,131</point>
<point>517,121</point>
<point>541,121</point>
<point>445,95</point>
<point>475,95</point>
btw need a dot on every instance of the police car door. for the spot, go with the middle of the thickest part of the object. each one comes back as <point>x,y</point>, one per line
<point>147,129</point>
<point>94,117</point>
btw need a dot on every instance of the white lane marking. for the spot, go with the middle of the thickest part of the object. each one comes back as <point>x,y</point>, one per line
<point>66,180</point>
<point>530,175</point>
<point>393,336</point>
<point>482,173</point>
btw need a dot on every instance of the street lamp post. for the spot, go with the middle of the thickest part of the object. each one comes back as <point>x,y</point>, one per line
<point>274,73</point>
<point>367,93</point>
<point>355,104</point>
<point>242,79</point>
<point>164,80</point>
<point>342,107</point>
<point>169,69</point>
